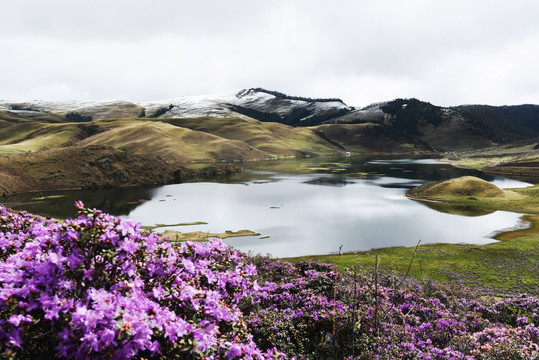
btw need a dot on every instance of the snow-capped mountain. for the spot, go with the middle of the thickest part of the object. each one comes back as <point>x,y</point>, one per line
<point>478,125</point>
<point>95,109</point>
<point>248,102</point>
<point>257,103</point>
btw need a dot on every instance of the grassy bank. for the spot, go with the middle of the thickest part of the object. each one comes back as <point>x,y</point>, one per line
<point>510,265</point>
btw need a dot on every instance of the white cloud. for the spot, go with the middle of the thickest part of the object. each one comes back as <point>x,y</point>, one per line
<point>444,52</point>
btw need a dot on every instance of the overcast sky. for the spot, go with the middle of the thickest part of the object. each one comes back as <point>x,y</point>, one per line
<point>448,52</point>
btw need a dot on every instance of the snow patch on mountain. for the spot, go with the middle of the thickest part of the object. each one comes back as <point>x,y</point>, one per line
<point>192,106</point>
<point>222,105</point>
<point>98,109</point>
<point>242,103</point>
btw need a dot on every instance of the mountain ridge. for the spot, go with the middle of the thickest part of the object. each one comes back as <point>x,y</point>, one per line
<point>277,106</point>
<point>403,120</point>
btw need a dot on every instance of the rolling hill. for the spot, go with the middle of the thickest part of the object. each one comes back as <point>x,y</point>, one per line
<point>250,124</point>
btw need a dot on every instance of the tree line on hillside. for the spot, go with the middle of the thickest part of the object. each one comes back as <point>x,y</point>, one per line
<point>300,98</point>
<point>503,124</point>
<point>77,117</point>
<point>161,111</point>
<point>297,117</point>
<point>408,113</point>
<point>527,115</point>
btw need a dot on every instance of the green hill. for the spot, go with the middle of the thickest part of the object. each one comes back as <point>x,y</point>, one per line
<point>173,143</point>
<point>462,187</point>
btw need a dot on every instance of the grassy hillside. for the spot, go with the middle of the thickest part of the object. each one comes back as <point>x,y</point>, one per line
<point>273,138</point>
<point>11,117</point>
<point>34,136</point>
<point>74,167</point>
<point>173,143</point>
<point>182,140</point>
<point>93,167</point>
<point>38,155</point>
<point>462,187</point>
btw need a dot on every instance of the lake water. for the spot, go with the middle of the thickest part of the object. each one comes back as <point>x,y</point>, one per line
<point>306,207</point>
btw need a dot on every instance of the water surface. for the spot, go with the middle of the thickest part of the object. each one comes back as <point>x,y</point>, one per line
<point>311,206</point>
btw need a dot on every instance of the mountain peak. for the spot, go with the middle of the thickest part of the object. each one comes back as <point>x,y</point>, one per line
<point>281,95</point>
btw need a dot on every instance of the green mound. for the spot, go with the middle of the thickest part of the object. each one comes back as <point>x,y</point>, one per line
<point>462,187</point>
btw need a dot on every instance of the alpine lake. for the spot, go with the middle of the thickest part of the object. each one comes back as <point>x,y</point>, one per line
<point>309,206</point>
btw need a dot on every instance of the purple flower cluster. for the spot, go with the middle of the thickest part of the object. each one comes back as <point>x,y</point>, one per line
<point>294,309</point>
<point>312,311</point>
<point>99,287</point>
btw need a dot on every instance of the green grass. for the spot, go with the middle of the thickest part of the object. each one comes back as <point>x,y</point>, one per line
<point>510,265</point>
<point>204,139</point>
<point>496,155</point>
<point>184,140</point>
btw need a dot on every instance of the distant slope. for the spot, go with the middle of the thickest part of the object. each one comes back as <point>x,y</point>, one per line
<point>502,124</point>
<point>9,117</point>
<point>527,115</point>
<point>174,143</point>
<point>456,128</point>
<point>369,137</point>
<point>92,109</point>
<point>33,136</point>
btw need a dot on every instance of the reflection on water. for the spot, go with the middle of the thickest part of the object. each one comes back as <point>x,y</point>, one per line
<point>463,210</point>
<point>332,180</point>
<point>309,206</point>
<point>117,201</point>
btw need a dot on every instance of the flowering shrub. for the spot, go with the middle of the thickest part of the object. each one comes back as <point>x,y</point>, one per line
<point>294,310</point>
<point>368,320</point>
<point>99,287</point>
